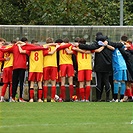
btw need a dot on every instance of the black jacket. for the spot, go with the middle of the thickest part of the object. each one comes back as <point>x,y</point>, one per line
<point>102,60</point>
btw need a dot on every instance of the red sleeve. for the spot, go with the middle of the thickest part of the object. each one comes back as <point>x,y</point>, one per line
<point>45,52</point>
<point>1,56</point>
<point>92,51</point>
<point>28,52</point>
<point>74,52</point>
<point>64,46</point>
<point>3,49</point>
<point>31,47</point>
<point>2,59</point>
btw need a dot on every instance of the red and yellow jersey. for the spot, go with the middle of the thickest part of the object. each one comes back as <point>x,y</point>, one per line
<point>49,60</point>
<point>84,61</point>
<point>65,58</point>
<point>1,57</point>
<point>8,63</point>
<point>36,61</point>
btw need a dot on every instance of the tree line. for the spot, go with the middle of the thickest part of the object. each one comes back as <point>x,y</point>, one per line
<point>64,12</point>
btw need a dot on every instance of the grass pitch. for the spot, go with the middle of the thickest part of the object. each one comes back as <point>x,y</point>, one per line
<point>67,117</point>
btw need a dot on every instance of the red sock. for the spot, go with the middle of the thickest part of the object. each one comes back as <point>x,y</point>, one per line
<point>3,91</point>
<point>31,93</point>
<point>39,93</point>
<point>132,91</point>
<point>77,93</point>
<point>63,92</point>
<point>81,91</point>
<point>85,92</point>
<point>71,91</point>
<point>88,89</point>
<point>10,89</point>
<point>45,91</point>
<point>53,92</point>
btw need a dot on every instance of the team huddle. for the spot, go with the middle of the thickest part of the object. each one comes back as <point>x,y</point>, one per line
<point>57,60</point>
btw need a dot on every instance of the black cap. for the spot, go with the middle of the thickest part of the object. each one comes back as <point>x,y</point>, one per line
<point>101,38</point>
<point>99,33</point>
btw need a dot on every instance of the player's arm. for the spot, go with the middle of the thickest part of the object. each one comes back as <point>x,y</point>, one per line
<point>10,49</point>
<point>51,44</point>
<point>2,59</point>
<point>81,51</point>
<point>99,49</point>
<point>103,45</point>
<point>20,43</point>
<point>53,51</point>
<point>21,50</point>
<point>64,46</point>
<point>68,51</point>
<point>88,52</point>
<point>110,47</point>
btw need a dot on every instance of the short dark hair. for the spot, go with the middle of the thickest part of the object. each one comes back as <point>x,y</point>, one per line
<point>24,39</point>
<point>13,41</point>
<point>34,41</point>
<point>77,39</point>
<point>82,40</point>
<point>66,40</point>
<point>2,40</point>
<point>124,38</point>
<point>59,41</point>
<point>49,40</point>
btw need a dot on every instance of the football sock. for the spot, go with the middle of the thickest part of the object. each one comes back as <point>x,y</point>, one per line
<point>88,89</point>
<point>121,96</point>
<point>116,87</point>
<point>4,89</point>
<point>31,93</point>
<point>71,90</point>
<point>115,96</point>
<point>39,93</point>
<point>53,92</point>
<point>63,93</point>
<point>45,91</point>
<point>10,89</point>
<point>77,93</point>
<point>123,88</point>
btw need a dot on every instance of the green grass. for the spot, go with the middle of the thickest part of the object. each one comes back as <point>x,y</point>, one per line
<point>67,117</point>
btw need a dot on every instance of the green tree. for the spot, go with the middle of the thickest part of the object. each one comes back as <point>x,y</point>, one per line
<point>65,12</point>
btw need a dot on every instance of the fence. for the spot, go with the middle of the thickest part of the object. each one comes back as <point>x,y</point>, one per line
<point>40,33</point>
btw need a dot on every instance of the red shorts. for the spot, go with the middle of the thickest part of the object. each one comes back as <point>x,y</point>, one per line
<point>50,73</point>
<point>66,70</point>
<point>7,74</point>
<point>84,75</point>
<point>35,76</point>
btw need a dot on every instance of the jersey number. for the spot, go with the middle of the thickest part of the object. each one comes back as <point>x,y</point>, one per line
<point>36,58</point>
<point>84,56</point>
<point>64,51</point>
